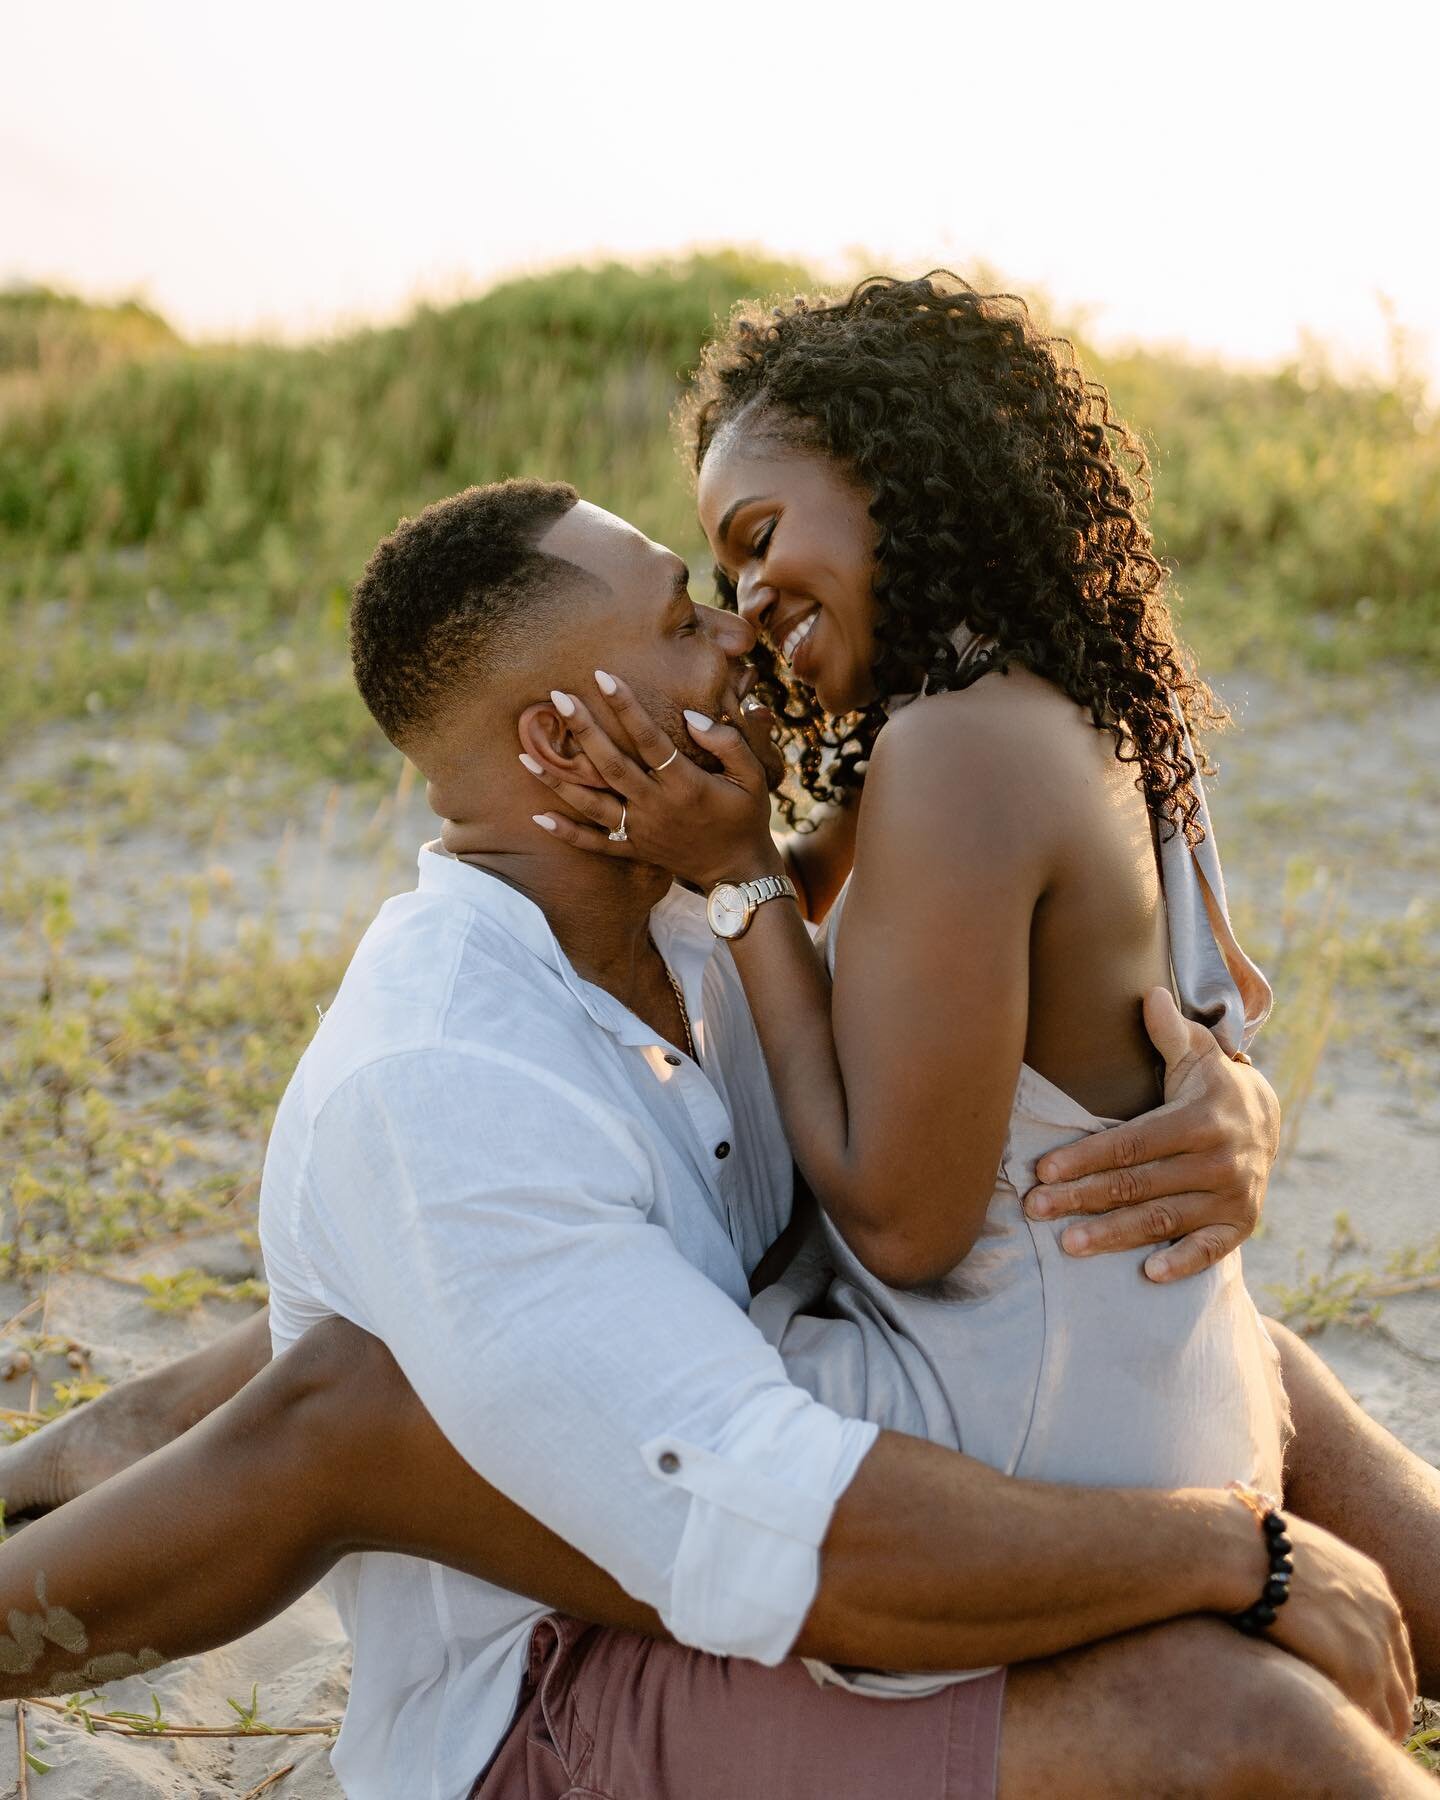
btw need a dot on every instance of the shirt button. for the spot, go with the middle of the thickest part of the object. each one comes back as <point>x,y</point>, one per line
<point>674,1061</point>
<point>669,1462</point>
<point>722,1151</point>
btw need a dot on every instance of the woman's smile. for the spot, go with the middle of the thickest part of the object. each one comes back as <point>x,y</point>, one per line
<point>797,635</point>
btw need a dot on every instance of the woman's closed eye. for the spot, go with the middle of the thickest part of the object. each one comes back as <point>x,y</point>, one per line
<point>762,543</point>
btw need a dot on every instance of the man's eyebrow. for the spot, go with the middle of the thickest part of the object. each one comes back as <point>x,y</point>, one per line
<point>723,530</point>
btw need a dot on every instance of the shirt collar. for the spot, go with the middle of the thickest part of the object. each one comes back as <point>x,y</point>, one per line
<point>677,922</point>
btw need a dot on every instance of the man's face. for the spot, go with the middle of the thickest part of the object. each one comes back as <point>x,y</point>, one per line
<point>648,631</point>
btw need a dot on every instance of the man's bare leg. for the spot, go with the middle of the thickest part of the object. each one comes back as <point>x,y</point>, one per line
<point>1350,1475</point>
<point>1191,1711</point>
<point>82,1448</point>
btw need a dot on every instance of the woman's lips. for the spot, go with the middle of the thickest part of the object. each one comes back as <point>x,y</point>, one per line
<point>795,637</point>
<point>802,658</point>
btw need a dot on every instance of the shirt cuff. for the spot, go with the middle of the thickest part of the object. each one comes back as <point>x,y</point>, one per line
<point>748,1566</point>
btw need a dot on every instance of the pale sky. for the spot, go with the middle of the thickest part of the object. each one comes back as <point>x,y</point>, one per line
<point>1226,176</point>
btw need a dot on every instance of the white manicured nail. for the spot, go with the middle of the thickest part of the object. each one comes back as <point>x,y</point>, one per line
<point>530,763</point>
<point>562,703</point>
<point>543,820</point>
<point>697,721</point>
<point>605,683</point>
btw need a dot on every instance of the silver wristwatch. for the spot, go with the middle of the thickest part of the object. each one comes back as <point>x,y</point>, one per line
<point>732,904</point>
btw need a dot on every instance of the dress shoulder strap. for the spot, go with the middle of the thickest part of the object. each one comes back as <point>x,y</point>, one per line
<point>1216,983</point>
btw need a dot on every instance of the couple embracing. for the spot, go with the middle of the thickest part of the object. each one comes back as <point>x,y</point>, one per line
<point>640,1469</point>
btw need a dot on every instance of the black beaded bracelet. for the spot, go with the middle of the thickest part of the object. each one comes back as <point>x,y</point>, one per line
<point>1261,1616</point>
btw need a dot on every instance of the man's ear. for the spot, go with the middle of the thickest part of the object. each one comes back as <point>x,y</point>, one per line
<point>546,736</point>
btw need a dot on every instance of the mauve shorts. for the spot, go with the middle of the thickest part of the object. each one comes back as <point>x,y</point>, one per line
<point>610,1715</point>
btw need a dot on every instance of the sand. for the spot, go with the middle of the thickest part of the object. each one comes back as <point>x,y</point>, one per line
<point>1340,772</point>
<point>299,1662</point>
<point>1342,775</point>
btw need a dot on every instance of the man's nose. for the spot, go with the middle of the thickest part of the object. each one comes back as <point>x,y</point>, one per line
<point>732,634</point>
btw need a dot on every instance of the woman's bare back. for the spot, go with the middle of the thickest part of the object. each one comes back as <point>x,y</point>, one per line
<point>1098,936</point>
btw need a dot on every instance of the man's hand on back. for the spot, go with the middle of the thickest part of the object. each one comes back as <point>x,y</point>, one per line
<point>1189,1176</point>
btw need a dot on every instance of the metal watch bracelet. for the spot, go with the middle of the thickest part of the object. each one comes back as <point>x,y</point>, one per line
<point>731,905</point>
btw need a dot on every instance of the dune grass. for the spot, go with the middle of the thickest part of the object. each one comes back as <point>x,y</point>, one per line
<point>179,524</point>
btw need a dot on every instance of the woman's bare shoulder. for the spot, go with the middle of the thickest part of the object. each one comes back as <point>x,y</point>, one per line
<point>986,763</point>
<point>1016,718</point>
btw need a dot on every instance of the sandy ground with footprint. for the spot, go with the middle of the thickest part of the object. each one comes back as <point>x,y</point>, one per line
<point>1339,776</point>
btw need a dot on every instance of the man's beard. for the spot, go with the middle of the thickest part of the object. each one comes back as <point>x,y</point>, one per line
<point>671,720</point>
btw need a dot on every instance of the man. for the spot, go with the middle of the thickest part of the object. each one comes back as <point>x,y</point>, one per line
<point>497,1159</point>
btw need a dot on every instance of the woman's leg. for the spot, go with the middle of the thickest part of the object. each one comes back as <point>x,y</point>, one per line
<point>1350,1475</point>
<point>322,1453</point>
<point>82,1448</point>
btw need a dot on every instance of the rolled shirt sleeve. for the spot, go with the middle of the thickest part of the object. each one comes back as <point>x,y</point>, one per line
<point>490,1221</point>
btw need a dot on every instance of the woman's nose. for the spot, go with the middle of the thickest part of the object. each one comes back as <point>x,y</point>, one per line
<point>754,598</point>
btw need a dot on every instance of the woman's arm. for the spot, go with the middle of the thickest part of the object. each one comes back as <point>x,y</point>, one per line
<point>897,1118</point>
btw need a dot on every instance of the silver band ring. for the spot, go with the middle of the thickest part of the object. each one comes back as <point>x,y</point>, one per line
<point>619,835</point>
<point>661,768</point>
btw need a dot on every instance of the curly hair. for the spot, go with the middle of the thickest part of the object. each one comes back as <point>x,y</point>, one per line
<point>1007,497</point>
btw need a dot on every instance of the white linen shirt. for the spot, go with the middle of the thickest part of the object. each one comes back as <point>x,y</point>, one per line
<point>549,1217</point>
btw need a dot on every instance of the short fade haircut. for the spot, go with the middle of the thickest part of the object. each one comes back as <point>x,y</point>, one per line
<point>441,598</point>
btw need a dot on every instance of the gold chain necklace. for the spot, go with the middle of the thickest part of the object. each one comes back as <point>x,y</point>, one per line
<point>679,993</point>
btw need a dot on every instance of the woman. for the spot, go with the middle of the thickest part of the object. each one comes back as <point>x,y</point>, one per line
<point>910,493</point>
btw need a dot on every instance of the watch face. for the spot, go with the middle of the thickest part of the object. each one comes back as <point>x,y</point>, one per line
<point>726,910</point>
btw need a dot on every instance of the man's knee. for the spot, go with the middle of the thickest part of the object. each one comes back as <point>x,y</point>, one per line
<point>1255,1719</point>
<point>1190,1709</point>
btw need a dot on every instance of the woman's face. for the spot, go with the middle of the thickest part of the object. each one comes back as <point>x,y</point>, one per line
<point>795,537</point>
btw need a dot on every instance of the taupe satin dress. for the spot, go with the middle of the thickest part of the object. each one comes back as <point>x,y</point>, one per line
<point>1044,1365</point>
